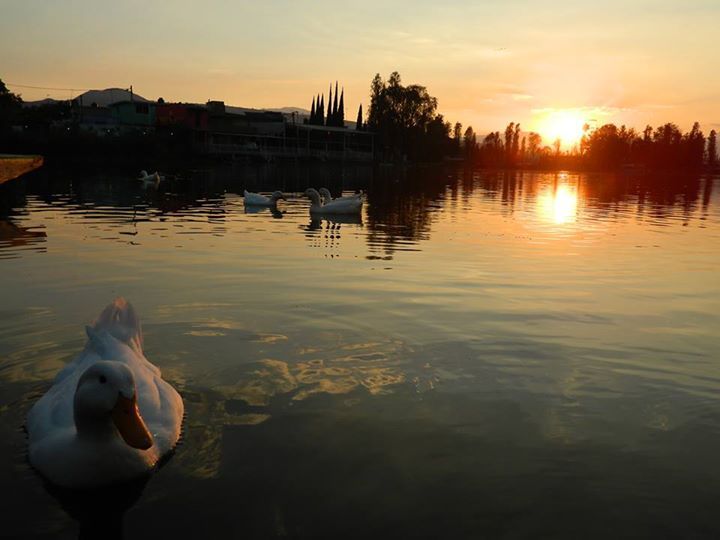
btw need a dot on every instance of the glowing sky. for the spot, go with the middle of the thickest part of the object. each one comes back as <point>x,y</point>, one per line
<point>488,62</point>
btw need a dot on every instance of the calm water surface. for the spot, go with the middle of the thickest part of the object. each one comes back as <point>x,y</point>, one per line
<point>480,355</point>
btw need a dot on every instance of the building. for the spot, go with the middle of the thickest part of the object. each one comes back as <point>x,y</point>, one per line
<point>269,135</point>
<point>134,115</point>
<point>181,115</point>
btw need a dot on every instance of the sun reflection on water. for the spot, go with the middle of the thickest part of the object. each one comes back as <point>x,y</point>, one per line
<point>558,203</point>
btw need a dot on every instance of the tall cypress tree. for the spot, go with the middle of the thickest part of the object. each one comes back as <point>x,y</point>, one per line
<point>321,116</point>
<point>335,106</point>
<point>341,110</point>
<point>359,122</point>
<point>312,112</point>
<point>329,119</point>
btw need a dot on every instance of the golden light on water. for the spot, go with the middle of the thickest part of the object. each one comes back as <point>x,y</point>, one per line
<point>566,125</point>
<point>558,203</point>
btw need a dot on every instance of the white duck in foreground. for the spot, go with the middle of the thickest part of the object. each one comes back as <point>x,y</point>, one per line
<point>255,199</point>
<point>344,205</point>
<point>109,416</point>
<point>327,196</point>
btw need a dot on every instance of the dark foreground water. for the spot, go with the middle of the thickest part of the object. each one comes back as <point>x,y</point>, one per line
<point>481,355</point>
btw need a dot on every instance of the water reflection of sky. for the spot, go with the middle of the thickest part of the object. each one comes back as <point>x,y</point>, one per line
<point>527,310</point>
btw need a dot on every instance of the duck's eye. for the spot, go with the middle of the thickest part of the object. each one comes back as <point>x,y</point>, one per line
<point>103,380</point>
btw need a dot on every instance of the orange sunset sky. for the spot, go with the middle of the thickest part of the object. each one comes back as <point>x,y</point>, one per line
<point>542,64</point>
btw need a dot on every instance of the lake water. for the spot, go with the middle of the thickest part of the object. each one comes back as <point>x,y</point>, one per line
<point>482,354</point>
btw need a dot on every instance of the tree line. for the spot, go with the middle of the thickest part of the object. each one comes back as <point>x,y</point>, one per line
<point>607,147</point>
<point>407,126</point>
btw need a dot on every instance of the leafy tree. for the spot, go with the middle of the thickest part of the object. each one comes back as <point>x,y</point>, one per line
<point>712,148</point>
<point>693,154</point>
<point>401,117</point>
<point>10,106</point>
<point>457,135</point>
<point>556,145</point>
<point>534,144</point>
<point>509,133</point>
<point>469,142</point>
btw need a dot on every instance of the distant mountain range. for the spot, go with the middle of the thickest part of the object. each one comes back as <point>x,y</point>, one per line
<point>103,98</point>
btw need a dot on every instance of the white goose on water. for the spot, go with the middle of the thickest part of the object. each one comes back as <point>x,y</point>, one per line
<point>327,196</point>
<point>109,416</point>
<point>148,179</point>
<point>344,205</point>
<point>255,199</point>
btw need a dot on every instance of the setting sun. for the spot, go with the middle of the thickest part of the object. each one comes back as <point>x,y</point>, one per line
<point>567,125</point>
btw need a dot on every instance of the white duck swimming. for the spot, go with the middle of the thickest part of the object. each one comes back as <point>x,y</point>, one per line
<point>149,179</point>
<point>255,199</point>
<point>327,196</point>
<point>109,416</point>
<point>344,205</point>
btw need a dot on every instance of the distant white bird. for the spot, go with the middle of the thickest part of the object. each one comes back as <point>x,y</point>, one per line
<point>109,416</point>
<point>344,205</point>
<point>327,196</point>
<point>150,179</point>
<point>255,199</point>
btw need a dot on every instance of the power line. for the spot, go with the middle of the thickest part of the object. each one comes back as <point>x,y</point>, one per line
<point>47,87</point>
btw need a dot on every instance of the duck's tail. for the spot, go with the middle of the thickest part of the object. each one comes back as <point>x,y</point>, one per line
<point>120,320</point>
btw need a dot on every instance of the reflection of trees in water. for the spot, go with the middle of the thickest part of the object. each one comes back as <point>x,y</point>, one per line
<point>401,206</point>
<point>651,194</point>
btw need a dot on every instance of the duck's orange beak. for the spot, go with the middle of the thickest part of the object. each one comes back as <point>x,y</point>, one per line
<point>130,424</point>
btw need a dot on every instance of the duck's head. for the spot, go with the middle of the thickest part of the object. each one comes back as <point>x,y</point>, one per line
<point>326,195</point>
<point>277,195</point>
<point>143,173</point>
<point>313,195</point>
<point>105,397</point>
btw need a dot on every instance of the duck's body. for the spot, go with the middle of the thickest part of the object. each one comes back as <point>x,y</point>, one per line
<point>327,196</point>
<point>86,431</point>
<point>255,199</point>
<point>149,179</point>
<point>344,205</point>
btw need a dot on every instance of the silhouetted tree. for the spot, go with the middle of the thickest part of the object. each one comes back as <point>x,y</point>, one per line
<point>341,110</point>
<point>515,145</point>
<point>534,145</point>
<point>334,121</point>
<point>522,149</point>
<point>10,106</point>
<point>312,111</point>
<point>492,150</point>
<point>321,113</point>
<point>359,121</point>
<point>509,132</point>
<point>694,147</point>
<point>556,145</point>
<point>329,119</point>
<point>712,148</point>
<point>469,142</point>
<point>457,136</point>
<point>401,117</point>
